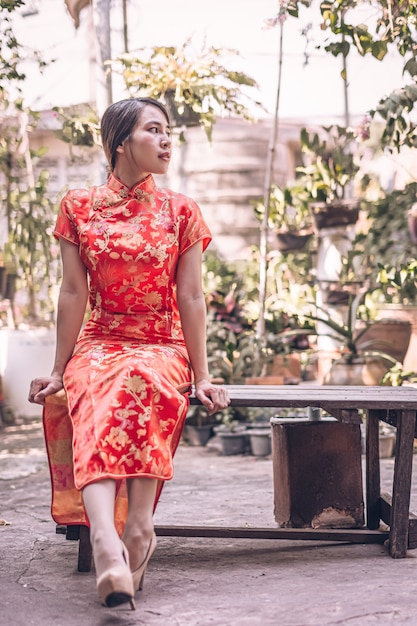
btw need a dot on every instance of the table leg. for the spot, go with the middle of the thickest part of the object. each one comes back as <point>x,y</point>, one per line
<point>373,479</point>
<point>402,484</point>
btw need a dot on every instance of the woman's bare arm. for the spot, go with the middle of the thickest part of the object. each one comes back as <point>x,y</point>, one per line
<point>192,307</point>
<point>72,304</point>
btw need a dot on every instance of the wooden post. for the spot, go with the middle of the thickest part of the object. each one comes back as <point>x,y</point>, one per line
<point>406,423</point>
<point>373,479</point>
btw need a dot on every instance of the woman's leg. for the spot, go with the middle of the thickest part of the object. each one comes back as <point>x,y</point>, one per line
<point>99,498</point>
<point>138,529</point>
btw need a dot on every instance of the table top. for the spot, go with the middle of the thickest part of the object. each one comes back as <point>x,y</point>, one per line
<point>322,396</point>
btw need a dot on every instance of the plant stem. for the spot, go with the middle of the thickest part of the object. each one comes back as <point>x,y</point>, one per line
<point>263,242</point>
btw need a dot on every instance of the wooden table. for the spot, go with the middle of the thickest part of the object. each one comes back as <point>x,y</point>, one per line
<point>394,405</point>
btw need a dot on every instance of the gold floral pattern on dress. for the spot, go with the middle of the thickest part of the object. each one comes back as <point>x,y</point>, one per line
<point>130,359</point>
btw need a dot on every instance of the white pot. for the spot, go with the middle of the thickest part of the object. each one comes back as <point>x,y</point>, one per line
<point>24,355</point>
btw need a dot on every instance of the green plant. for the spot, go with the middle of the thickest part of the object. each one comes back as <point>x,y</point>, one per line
<point>199,82</point>
<point>232,342</point>
<point>382,251</point>
<point>395,25</point>
<point>288,212</point>
<point>332,164</point>
<point>31,250</point>
<point>397,376</point>
<point>80,126</point>
<point>349,332</point>
<point>29,213</point>
<point>398,283</point>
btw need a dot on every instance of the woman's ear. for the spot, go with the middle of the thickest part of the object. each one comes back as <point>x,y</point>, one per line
<point>121,148</point>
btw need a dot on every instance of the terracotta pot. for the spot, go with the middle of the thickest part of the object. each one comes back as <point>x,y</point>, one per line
<point>387,335</point>
<point>265,380</point>
<point>363,371</point>
<point>404,312</point>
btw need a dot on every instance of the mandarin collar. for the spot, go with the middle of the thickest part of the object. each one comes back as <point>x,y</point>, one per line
<point>146,185</point>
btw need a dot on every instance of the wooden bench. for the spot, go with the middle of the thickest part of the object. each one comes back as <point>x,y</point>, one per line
<point>394,405</point>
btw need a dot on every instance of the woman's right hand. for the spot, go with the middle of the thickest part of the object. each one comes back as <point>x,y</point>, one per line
<point>42,387</point>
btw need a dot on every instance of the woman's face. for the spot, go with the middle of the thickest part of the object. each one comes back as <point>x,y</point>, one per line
<point>147,150</point>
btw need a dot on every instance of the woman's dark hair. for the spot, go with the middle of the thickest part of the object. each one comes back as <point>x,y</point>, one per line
<point>118,121</point>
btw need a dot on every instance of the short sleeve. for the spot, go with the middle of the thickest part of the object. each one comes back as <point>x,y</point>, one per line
<point>65,227</point>
<point>193,228</point>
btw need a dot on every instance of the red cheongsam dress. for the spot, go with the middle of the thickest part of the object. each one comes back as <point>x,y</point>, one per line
<point>125,399</point>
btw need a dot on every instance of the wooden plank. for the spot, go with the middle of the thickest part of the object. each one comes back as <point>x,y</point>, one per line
<point>325,397</point>
<point>359,535</point>
<point>386,505</point>
<point>402,484</point>
<point>386,508</point>
<point>372,470</point>
<point>85,552</point>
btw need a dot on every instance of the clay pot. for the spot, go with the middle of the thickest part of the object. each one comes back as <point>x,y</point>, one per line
<point>391,336</point>
<point>362,371</point>
<point>198,435</point>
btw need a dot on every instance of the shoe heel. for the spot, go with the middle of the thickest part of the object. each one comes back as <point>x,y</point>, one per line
<point>116,586</point>
<point>139,573</point>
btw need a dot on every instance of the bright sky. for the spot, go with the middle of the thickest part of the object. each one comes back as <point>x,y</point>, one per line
<point>314,90</point>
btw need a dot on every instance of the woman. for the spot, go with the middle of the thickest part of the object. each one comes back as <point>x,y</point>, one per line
<point>135,252</point>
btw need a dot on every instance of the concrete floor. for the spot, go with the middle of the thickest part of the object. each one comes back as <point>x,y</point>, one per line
<point>193,582</point>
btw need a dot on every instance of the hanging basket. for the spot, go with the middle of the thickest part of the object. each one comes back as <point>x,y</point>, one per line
<point>188,117</point>
<point>334,293</point>
<point>331,215</point>
<point>290,240</point>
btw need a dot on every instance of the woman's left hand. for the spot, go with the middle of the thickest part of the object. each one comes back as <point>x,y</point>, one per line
<point>213,397</point>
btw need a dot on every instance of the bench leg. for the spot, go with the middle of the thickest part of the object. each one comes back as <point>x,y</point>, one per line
<point>373,477</point>
<point>402,484</point>
<point>85,554</point>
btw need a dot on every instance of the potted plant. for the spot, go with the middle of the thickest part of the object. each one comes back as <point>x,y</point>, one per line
<point>80,126</point>
<point>362,356</point>
<point>199,426</point>
<point>330,171</point>
<point>196,85</point>
<point>259,435</point>
<point>232,433</point>
<point>385,238</point>
<point>289,218</point>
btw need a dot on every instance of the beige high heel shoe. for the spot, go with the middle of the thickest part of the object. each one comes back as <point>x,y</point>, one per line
<point>138,574</point>
<point>116,585</point>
